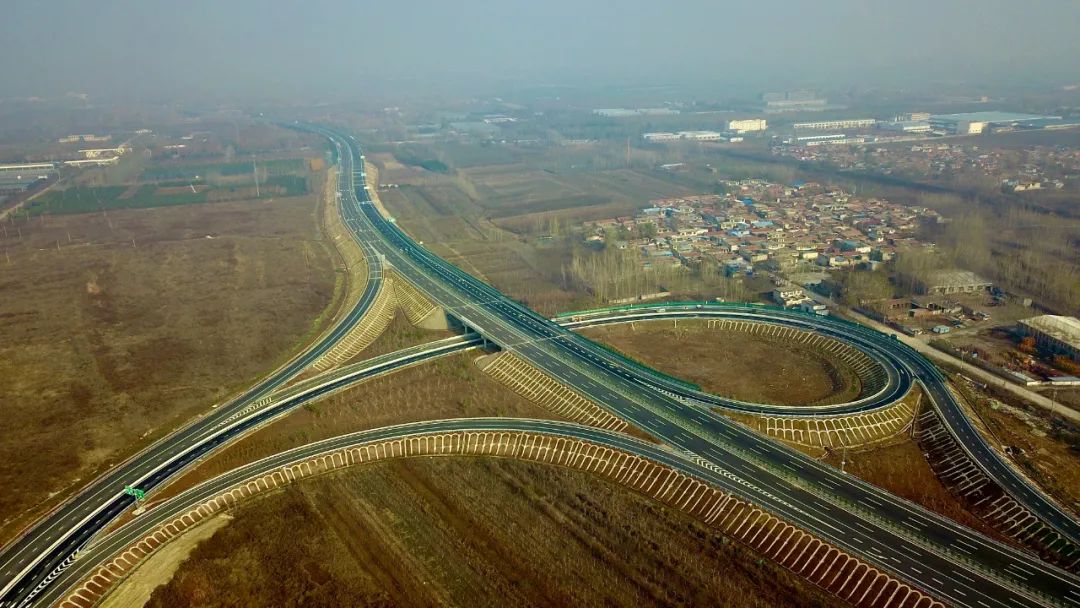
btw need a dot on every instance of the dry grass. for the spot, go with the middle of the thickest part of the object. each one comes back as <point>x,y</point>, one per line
<point>733,364</point>
<point>475,532</point>
<point>457,232</point>
<point>400,334</point>
<point>105,346</point>
<point>1049,446</point>
<point>159,568</point>
<point>901,468</point>
<point>452,387</point>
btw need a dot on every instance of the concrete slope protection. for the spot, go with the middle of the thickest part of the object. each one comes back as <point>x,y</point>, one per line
<point>605,378</point>
<point>55,537</point>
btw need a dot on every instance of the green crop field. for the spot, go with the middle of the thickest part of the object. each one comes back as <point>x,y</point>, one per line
<point>85,199</point>
<point>88,199</point>
<point>170,171</point>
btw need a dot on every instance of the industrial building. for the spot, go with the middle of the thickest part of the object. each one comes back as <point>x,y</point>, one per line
<point>1054,334</point>
<point>92,162</point>
<point>101,152</point>
<point>906,126</point>
<point>663,136</point>
<point>85,138</point>
<point>31,171</point>
<point>632,112</point>
<point>788,296</point>
<point>973,123</point>
<point>953,282</point>
<point>20,177</point>
<point>826,138</point>
<point>795,101</point>
<point>913,116</point>
<point>827,125</point>
<point>747,125</point>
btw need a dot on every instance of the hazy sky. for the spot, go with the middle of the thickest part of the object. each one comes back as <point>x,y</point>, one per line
<point>333,48</point>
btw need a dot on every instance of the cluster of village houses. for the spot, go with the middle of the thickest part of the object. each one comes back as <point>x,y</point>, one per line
<point>761,225</point>
<point>1016,170</point>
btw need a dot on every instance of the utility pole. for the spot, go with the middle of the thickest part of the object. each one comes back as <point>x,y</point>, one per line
<point>255,171</point>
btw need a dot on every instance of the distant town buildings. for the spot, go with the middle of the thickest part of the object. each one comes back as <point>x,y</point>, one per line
<point>87,138</point>
<point>788,228</point>
<point>631,112</point>
<point>747,125</point>
<point>1053,333</point>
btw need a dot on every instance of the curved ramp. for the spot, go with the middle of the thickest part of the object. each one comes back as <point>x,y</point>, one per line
<point>849,578</point>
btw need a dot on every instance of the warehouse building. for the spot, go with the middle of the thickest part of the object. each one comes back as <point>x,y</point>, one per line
<point>827,125</point>
<point>748,125</point>
<point>972,123</point>
<point>1054,333</point>
<point>19,177</point>
<point>683,135</point>
<point>953,281</point>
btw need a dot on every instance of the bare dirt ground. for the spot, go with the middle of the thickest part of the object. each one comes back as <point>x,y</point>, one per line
<point>472,532</point>
<point>733,364</point>
<point>106,345</point>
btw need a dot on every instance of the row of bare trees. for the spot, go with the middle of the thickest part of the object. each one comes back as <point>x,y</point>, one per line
<point>615,274</point>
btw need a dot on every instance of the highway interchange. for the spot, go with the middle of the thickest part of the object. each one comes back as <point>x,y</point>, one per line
<point>950,562</point>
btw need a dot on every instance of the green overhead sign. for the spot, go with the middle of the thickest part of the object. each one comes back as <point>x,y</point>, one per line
<point>136,492</point>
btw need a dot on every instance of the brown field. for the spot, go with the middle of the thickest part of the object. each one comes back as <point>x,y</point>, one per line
<point>733,364</point>
<point>452,387</point>
<point>901,469</point>
<point>400,334</point>
<point>510,262</point>
<point>472,532</point>
<point>115,328</point>
<point>1049,447</point>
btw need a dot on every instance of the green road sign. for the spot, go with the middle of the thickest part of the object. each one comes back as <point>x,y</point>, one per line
<point>136,492</point>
